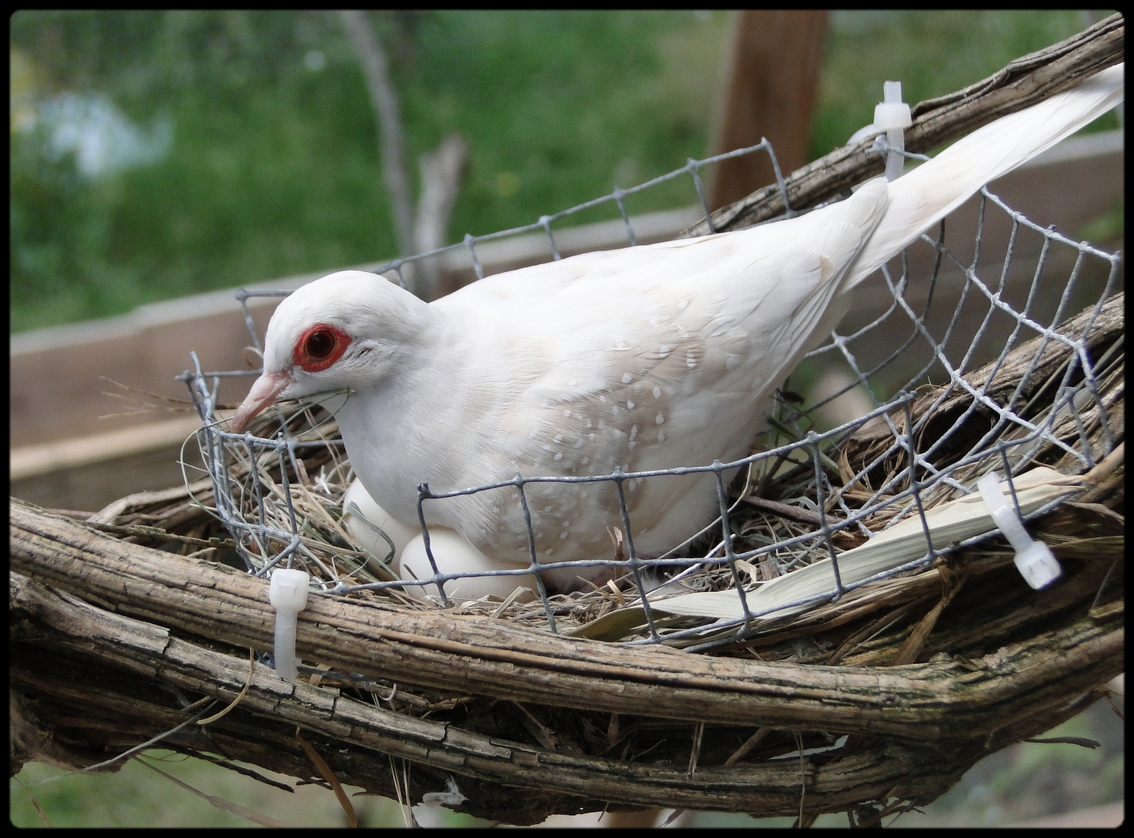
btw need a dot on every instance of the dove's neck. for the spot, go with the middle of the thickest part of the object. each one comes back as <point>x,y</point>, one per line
<point>392,426</point>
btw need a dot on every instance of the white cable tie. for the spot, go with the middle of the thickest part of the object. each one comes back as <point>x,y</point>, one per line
<point>288,595</point>
<point>1034,559</point>
<point>893,116</point>
<point>451,797</point>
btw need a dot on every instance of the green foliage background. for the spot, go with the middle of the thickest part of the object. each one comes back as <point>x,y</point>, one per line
<point>275,168</point>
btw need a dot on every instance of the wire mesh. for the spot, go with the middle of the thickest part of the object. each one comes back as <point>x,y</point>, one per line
<point>959,308</point>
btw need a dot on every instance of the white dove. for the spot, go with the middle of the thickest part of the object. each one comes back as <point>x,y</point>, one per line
<point>644,358</point>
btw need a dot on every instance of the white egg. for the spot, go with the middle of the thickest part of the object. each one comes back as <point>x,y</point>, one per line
<point>455,555</point>
<point>372,528</point>
<point>374,531</point>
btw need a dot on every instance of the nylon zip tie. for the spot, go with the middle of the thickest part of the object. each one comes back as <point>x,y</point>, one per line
<point>1034,559</point>
<point>288,595</point>
<point>891,117</point>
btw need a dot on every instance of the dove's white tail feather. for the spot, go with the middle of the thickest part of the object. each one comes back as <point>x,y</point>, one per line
<point>924,196</point>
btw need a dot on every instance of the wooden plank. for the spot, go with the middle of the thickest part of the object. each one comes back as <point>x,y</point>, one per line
<point>774,66</point>
<point>92,485</point>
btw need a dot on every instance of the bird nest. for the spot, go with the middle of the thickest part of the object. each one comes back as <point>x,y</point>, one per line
<point>792,507</point>
<point>863,682</point>
<point>927,669</point>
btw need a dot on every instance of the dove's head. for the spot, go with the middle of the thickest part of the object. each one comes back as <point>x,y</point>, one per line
<point>339,333</point>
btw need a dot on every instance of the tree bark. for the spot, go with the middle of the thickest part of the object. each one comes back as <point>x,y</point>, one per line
<point>114,643</point>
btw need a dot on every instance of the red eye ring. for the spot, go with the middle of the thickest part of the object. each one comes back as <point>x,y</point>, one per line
<point>319,347</point>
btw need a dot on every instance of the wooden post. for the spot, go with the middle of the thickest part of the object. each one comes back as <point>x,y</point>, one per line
<point>772,81</point>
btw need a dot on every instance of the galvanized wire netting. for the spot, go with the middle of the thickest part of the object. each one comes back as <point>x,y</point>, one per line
<point>964,369</point>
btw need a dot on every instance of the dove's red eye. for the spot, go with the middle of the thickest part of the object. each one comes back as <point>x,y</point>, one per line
<point>319,347</point>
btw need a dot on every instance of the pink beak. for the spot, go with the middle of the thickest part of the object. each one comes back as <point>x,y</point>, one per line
<point>263,393</point>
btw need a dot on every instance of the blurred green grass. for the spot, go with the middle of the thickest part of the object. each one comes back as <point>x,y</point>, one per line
<point>275,169</point>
